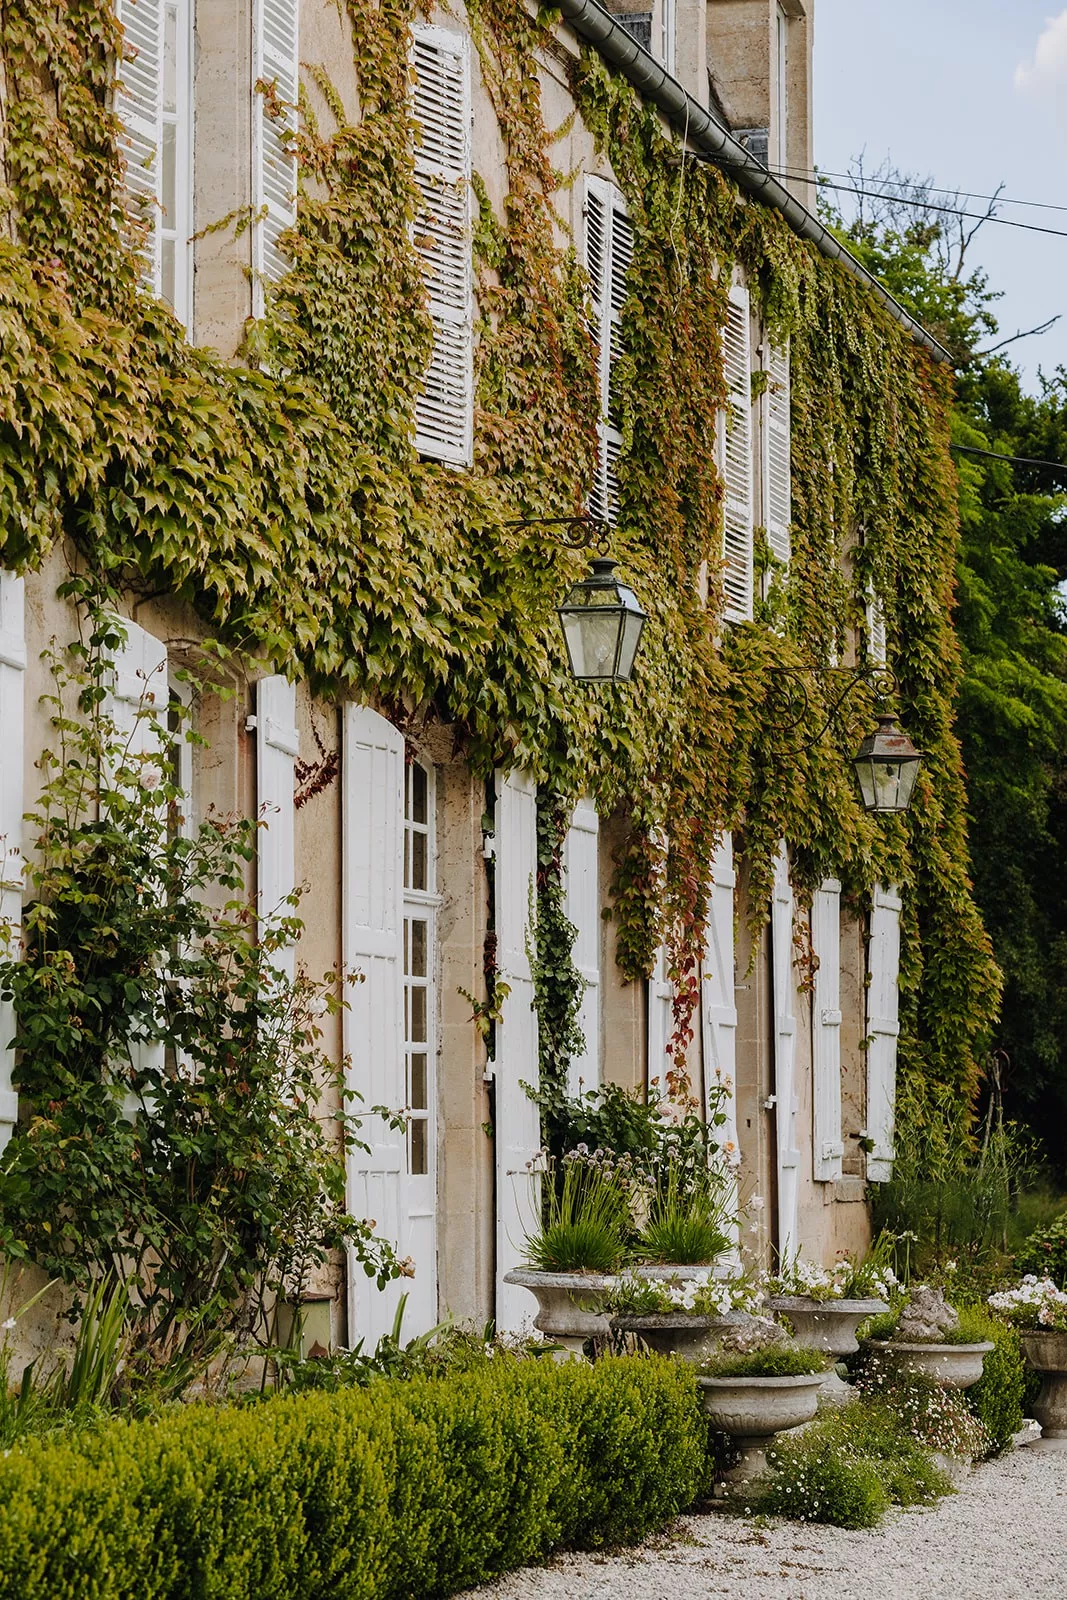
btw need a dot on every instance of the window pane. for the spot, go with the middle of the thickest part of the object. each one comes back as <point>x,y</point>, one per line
<point>417,949</point>
<point>170,59</point>
<point>418,793</point>
<point>419,1148</point>
<point>418,861</point>
<point>166,248</point>
<point>170,172</point>
<point>418,1083</point>
<point>418,1016</point>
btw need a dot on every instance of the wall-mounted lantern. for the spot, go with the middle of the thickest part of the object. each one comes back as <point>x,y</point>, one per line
<point>887,765</point>
<point>602,626</point>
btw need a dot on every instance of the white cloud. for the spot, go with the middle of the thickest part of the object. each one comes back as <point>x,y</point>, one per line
<point>1048,69</point>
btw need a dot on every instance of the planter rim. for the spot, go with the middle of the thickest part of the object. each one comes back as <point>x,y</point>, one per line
<point>878,1345</point>
<point>530,1278</point>
<point>793,1381</point>
<point>1042,1333</point>
<point>805,1302</point>
<point>672,1319</point>
<point>716,1270</point>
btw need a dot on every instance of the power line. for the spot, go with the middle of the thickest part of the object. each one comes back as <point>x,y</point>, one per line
<point>952,211</point>
<point>908,183</point>
<point>1016,461</point>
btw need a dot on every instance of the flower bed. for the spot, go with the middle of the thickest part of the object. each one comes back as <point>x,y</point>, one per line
<point>422,1487</point>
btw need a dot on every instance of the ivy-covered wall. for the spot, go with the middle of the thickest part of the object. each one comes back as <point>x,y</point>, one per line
<point>282,499</point>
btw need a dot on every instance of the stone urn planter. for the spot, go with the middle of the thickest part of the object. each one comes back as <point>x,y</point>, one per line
<point>678,1333</point>
<point>1046,1351</point>
<point>953,1366</point>
<point>570,1305</point>
<point>830,1326</point>
<point>678,1272</point>
<point>753,1410</point>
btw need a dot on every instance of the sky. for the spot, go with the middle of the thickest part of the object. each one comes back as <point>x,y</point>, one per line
<point>971,93</point>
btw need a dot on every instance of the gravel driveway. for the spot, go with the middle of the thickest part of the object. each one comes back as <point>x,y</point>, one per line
<point>1002,1537</point>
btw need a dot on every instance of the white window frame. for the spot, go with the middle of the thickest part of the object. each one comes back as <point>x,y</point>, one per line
<point>421,905</point>
<point>608,298</point>
<point>176,223</point>
<point>781,91</point>
<point>877,637</point>
<point>446,215</point>
<point>734,450</point>
<point>668,34</point>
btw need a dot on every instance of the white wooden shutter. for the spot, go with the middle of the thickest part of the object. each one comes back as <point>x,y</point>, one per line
<point>609,247</point>
<point>786,1100</point>
<point>882,1029</point>
<point>12,728</point>
<point>372,937</point>
<point>718,1011</point>
<point>581,876</point>
<point>277,747</point>
<point>876,630</point>
<point>275,62</point>
<point>735,454</point>
<point>444,413</point>
<point>139,106</point>
<point>777,499</point>
<point>826,1031</point>
<point>518,1126</point>
<point>660,1010</point>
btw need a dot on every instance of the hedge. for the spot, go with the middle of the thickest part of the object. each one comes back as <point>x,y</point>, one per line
<point>402,1490</point>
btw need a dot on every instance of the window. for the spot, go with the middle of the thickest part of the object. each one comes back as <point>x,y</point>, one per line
<point>777,499</point>
<point>876,629</point>
<point>276,87</point>
<point>781,94</point>
<point>419,937</point>
<point>668,25</point>
<point>609,245</point>
<point>444,412</point>
<point>735,459</point>
<point>154,102</point>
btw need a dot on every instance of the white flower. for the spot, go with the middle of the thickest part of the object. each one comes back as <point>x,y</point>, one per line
<point>8,1325</point>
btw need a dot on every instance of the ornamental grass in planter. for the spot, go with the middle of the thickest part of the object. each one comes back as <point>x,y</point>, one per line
<point>931,1339</point>
<point>1038,1309</point>
<point>756,1393</point>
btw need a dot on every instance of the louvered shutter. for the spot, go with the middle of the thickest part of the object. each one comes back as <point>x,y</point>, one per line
<point>660,1008</point>
<point>882,1030</point>
<point>609,248</point>
<point>876,630</point>
<point>518,1126</point>
<point>12,728</point>
<point>718,1011</point>
<point>777,504</point>
<point>786,1100</point>
<point>444,412</point>
<point>275,65</point>
<point>277,747</point>
<point>139,106</point>
<point>735,455</point>
<point>582,882</point>
<point>372,936</point>
<point>826,1031</point>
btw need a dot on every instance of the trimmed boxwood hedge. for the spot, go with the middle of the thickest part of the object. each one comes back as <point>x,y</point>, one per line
<point>402,1490</point>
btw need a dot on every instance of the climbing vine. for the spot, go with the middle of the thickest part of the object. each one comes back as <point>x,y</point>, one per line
<point>281,497</point>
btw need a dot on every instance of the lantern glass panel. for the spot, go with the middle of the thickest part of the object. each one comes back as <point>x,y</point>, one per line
<point>632,629</point>
<point>592,641</point>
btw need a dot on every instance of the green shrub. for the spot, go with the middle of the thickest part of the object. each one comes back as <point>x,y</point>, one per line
<point>997,1398</point>
<point>847,1468</point>
<point>775,1361</point>
<point>405,1489</point>
<point>1045,1252</point>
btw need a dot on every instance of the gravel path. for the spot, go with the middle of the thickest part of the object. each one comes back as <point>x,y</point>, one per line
<point>1002,1537</point>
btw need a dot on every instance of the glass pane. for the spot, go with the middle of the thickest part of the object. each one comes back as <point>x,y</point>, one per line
<point>419,1148</point>
<point>170,59</point>
<point>418,861</point>
<point>419,789</point>
<point>417,1034</point>
<point>418,1083</point>
<point>166,247</point>
<point>417,949</point>
<point>407,946</point>
<point>170,171</point>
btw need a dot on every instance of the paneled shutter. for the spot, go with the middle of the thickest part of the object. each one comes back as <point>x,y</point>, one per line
<point>518,1126</point>
<point>718,1011</point>
<point>138,703</point>
<point>277,747</point>
<point>777,500</point>
<point>444,412</point>
<point>826,1030</point>
<point>660,992</point>
<point>12,726</point>
<point>876,630</point>
<point>582,880</point>
<point>736,459</point>
<point>786,1100</point>
<point>139,107</point>
<point>371,941</point>
<point>609,248</point>
<point>882,1029</point>
<point>276,66</point>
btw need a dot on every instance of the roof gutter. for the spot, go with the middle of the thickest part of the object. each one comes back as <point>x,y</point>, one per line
<point>593,24</point>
